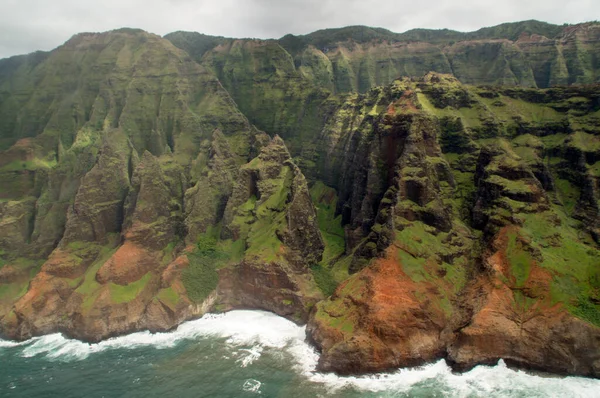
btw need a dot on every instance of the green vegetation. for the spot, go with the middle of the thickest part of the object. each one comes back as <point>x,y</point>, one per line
<point>343,323</point>
<point>168,296</point>
<point>262,240</point>
<point>324,279</point>
<point>420,252</point>
<point>585,142</point>
<point>522,110</point>
<point>267,87</point>
<point>124,294</point>
<point>22,264</point>
<point>168,252</point>
<point>522,303</point>
<point>587,310</point>
<point>90,289</point>
<point>519,259</point>
<point>335,314</point>
<point>574,264</point>
<point>413,266</point>
<point>11,292</point>
<point>569,194</point>
<point>34,164</point>
<point>340,313</point>
<point>595,169</point>
<point>512,186</point>
<point>325,200</point>
<point>470,117</point>
<point>201,277</point>
<point>332,270</point>
<point>138,93</point>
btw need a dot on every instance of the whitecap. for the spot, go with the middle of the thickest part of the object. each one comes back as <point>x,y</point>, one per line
<point>484,381</point>
<point>252,385</point>
<point>249,355</point>
<point>254,333</point>
<point>10,344</point>
<point>489,381</point>
<point>256,329</point>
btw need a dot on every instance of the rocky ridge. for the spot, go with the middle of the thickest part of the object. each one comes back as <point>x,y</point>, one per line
<point>455,257</point>
<point>420,219</point>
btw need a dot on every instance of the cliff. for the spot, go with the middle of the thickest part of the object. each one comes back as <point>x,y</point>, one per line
<point>461,230</point>
<point>403,219</point>
<point>282,85</point>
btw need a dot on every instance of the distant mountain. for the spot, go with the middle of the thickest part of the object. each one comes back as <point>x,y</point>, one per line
<point>529,53</point>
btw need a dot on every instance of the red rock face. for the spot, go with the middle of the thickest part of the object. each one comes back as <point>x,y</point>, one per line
<point>53,303</point>
<point>128,264</point>
<point>380,319</point>
<point>62,263</point>
<point>522,325</point>
<point>383,323</point>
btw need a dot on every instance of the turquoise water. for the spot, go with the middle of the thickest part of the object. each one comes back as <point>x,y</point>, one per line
<point>239,354</point>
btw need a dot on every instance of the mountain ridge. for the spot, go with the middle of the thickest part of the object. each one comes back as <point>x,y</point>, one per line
<point>521,26</point>
<point>142,186</point>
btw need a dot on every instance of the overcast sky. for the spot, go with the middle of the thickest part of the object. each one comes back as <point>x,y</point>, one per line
<point>29,25</point>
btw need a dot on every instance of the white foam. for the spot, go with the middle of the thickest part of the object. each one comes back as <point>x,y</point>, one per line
<point>249,328</point>
<point>249,355</point>
<point>490,381</point>
<point>10,344</point>
<point>252,385</point>
<point>251,334</point>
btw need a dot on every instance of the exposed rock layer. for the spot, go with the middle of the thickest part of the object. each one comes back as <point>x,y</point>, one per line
<point>448,216</point>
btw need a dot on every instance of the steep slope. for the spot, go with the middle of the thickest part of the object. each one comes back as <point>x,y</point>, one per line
<point>115,192</point>
<point>462,229</point>
<point>283,85</point>
<point>111,130</point>
<point>272,212</point>
<point>266,85</point>
<point>441,219</point>
<point>512,53</point>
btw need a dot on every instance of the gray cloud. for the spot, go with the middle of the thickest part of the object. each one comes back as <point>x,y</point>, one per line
<point>29,25</point>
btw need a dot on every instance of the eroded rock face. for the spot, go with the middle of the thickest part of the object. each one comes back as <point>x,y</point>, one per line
<point>205,202</point>
<point>151,221</point>
<point>457,221</point>
<point>384,316</point>
<point>271,210</point>
<point>465,255</point>
<point>98,188</point>
<point>98,207</point>
<point>15,223</point>
<point>91,287</point>
<point>376,321</point>
<point>272,286</point>
<point>517,320</point>
<point>93,311</point>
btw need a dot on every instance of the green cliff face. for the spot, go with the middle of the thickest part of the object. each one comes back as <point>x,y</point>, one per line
<point>104,139</point>
<point>404,219</point>
<point>530,53</point>
<point>284,85</point>
<point>466,230</point>
<point>267,86</point>
<point>271,212</point>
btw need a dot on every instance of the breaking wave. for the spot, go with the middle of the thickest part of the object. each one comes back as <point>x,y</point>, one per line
<point>252,334</point>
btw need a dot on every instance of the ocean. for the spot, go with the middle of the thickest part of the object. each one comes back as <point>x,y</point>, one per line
<point>240,354</point>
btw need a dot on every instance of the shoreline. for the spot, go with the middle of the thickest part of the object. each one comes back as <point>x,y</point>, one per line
<point>161,336</point>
